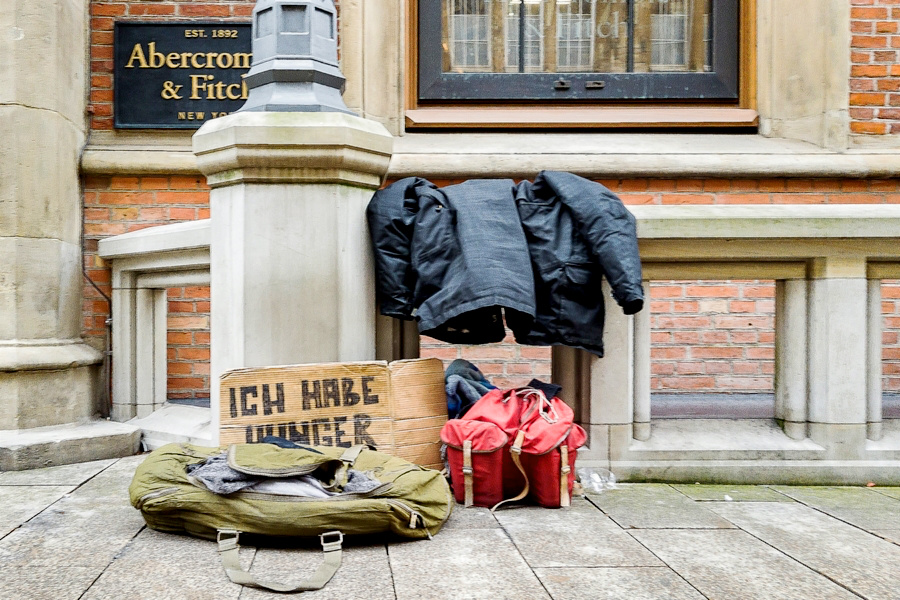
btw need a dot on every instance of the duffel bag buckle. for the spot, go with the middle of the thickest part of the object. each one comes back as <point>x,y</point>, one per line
<point>227,539</point>
<point>329,544</point>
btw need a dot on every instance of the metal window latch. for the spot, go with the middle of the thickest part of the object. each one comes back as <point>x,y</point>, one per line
<point>562,84</point>
<point>594,85</point>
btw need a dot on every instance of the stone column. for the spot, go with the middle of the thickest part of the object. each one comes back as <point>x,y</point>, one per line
<point>47,374</point>
<point>790,356</point>
<point>837,351</point>
<point>291,266</point>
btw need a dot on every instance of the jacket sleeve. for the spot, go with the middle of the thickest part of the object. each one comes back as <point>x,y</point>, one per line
<point>390,214</point>
<point>608,229</point>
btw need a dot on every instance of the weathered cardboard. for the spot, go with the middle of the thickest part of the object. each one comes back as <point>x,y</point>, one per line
<point>399,407</point>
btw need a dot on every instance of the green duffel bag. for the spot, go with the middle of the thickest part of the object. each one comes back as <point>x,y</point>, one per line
<point>295,492</point>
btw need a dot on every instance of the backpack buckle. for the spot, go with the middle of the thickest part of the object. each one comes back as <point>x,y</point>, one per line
<point>227,539</point>
<point>329,544</point>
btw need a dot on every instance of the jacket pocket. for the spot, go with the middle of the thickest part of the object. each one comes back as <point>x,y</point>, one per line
<point>434,246</point>
<point>581,303</point>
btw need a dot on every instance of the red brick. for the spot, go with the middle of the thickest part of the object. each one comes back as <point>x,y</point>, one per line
<point>105,228</point>
<point>182,197</point>
<point>660,306</point>
<point>137,10</point>
<point>761,352</point>
<point>885,56</point>
<point>716,352</point>
<point>182,322</point>
<point>867,127</point>
<point>718,367</point>
<point>886,27</point>
<point>711,291</point>
<point>181,307</point>
<point>716,185</point>
<point>125,198</point>
<point>668,322</point>
<point>854,185</point>
<point>192,353</point>
<point>666,291</point>
<point>187,183</point>
<point>741,307</point>
<point>868,13</point>
<point>182,214</point>
<point>889,113</point>
<point>869,71</point>
<point>203,10</point>
<point>743,199</point>
<point>744,185</point>
<point>685,307</point>
<point>743,337</point>
<point>862,27</point>
<point>772,185</point>
<point>687,383</point>
<point>714,336</point>
<point>519,368</point>
<point>888,85</point>
<point>201,337</point>
<point>745,368</point>
<point>856,199</point>
<point>862,99</point>
<point>662,368</point>
<point>799,198</point>
<point>744,383</point>
<point>689,185</point>
<point>633,185</point>
<point>662,185</point>
<point>869,41</point>
<point>197,292</point>
<point>686,337</point>
<point>637,198</point>
<point>182,383</point>
<point>481,352</point>
<point>741,322</point>
<point>179,337</point>
<point>689,368</point>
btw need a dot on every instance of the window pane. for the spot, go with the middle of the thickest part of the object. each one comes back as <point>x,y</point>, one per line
<point>579,36</point>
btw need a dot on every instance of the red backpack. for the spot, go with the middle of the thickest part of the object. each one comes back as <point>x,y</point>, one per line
<point>513,444</point>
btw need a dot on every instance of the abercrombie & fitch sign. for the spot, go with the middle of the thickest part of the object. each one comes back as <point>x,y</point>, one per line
<point>178,75</point>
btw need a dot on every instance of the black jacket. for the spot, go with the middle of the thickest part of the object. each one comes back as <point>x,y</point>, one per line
<point>454,257</point>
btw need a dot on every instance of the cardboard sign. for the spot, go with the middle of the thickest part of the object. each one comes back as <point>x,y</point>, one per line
<point>398,408</point>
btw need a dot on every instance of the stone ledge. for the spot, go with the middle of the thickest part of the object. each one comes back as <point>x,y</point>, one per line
<point>66,444</point>
<point>606,155</point>
<point>27,355</point>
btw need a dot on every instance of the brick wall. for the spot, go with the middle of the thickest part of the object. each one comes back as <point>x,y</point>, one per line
<point>875,70</point>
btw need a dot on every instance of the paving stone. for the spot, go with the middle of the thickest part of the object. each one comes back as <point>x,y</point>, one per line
<point>71,533</point>
<point>655,506</point>
<point>893,492</point>
<point>162,566</point>
<point>474,517</point>
<point>891,535</point>
<point>20,503</point>
<point>616,583</point>
<point>364,573</point>
<point>858,560</point>
<point>731,493</point>
<point>75,474</point>
<point>728,564</point>
<point>47,583</point>
<point>858,506</point>
<point>472,564</point>
<point>578,536</point>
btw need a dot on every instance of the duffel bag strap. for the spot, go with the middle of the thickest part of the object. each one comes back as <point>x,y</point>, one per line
<point>228,550</point>
<point>516,452</point>
<point>564,470</point>
<point>467,473</point>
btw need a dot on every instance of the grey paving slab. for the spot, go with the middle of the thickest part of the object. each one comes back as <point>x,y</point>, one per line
<point>474,517</point>
<point>48,583</point>
<point>891,535</point>
<point>854,558</point>
<point>655,506</point>
<point>731,493</point>
<point>20,503</point>
<point>161,566</point>
<point>364,573</point>
<point>471,564</point>
<point>63,475</point>
<point>859,506</point>
<point>893,492</point>
<point>616,583</point>
<point>579,536</point>
<point>729,564</point>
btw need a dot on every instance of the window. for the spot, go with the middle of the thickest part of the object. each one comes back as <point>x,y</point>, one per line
<point>577,51</point>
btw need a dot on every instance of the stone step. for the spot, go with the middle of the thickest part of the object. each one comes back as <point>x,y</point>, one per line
<point>67,444</point>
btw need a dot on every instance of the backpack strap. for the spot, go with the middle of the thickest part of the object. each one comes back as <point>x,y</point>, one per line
<point>516,452</point>
<point>348,457</point>
<point>228,550</point>
<point>467,473</point>
<point>564,470</point>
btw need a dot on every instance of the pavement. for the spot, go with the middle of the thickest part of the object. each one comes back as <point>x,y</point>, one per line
<point>69,532</point>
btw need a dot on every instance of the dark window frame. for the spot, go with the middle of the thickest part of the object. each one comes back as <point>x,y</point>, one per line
<point>720,84</point>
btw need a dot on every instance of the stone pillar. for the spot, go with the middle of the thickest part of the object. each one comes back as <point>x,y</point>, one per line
<point>291,267</point>
<point>642,369</point>
<point>48,375</point>
<point>790,356</point>
<point>837,350</point>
